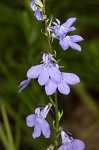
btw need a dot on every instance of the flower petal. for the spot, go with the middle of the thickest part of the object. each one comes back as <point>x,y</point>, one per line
<point>56,25</point>
<point>50,87</point>
<point>76,38</point>
<point>33,5</point>
<point>34,71</point>
<point>78,144</point>
<point>63,88</point>
<point>58,21</point>
<point>65,137</point>
<point>61,31</point>
<point>69,22</point>
<point>54,73</point>
<point>23,84</point>
<point>51,28</point>
<point>64,43</point>
<point>37,130</point>
<point>45,111</point>
<point>45,58</point>
<point>72,44</point>
<point>44,77</point>
<point>63,147</point>
<point>70,78</point>
<point>31,120</point>
<point>72,29</point>
<point>45,128</point>
<point>37,111</point>
<point>38,15</point>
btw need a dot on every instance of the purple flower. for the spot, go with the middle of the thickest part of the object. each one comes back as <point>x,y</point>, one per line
<point>62,85</point>
<point>68,143</point>
<point>70,41</point>
<point>48,74</point>
<point>43,72</point>
<point>59,31</point>
<point>39,123</point>
<point>37,12</point>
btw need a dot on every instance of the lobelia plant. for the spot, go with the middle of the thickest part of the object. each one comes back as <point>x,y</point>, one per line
<point>49,75</point>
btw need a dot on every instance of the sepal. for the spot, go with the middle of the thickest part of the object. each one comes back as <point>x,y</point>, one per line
<point>60,114</point>
<point>39,3</point>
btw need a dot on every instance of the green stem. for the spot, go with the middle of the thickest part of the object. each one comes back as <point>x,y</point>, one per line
<point>50,51</point>
<point>56,112</point>
<point>56,120</point>
<point>46,25</point>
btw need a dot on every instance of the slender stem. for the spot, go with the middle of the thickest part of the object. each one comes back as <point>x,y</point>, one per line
<point>46,25</point>
<point>50,51</point>
<point>56,120</point>
<point>56,112</point>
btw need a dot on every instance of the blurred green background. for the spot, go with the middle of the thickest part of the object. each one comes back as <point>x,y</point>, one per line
<point>21,42</point>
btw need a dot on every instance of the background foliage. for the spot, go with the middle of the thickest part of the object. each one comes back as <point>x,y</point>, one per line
<point>21,42</point>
